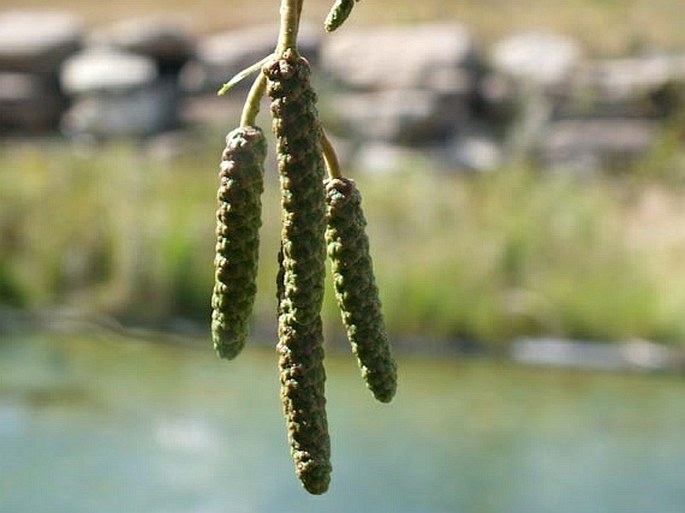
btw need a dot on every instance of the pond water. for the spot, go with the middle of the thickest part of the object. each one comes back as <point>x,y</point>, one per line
<point>98,425</point>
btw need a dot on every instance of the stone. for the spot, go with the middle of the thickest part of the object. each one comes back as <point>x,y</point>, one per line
<point>143,111</point>
<point>106,70</point>
<point>526,84</point>
<point>635,355</point>
<point>399,116</point>
<point>633,86</point>
<point>496,99</point>
<point>475,152</point>
<point>540,58</point>
<point>220,56</point>
<point>590,145</point>
<point>648,356</point>
<point>164,38</point>
<point>29,102</point>
<point>567,353</point>
<point>37,41</point>
<point>118,94</point>
<point>432,56</point>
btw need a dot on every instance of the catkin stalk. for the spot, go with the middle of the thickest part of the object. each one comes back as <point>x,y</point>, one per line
<point>302,275</point>
<point>355,287</point>
<point>237,238</point>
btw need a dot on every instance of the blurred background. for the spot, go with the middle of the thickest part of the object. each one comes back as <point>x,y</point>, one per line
<point>523,172</point>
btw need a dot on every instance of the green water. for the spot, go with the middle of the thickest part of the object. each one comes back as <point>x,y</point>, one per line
<point>98,426</point>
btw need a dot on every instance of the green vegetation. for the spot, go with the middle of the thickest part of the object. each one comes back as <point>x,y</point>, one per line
<point>477,257</point>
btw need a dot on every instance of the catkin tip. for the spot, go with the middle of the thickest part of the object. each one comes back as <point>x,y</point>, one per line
<point>227,352</point>
<point>338,14</point>
<point>318,480</point>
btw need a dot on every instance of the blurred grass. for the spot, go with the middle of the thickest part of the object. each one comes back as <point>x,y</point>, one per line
<point>485,257</point>
<point>603,26</point>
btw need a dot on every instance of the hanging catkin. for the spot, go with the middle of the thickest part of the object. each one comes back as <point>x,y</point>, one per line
<point>237,231</point>
<point>355,287</point>
<point>338,14</point>
<point>302,275</point>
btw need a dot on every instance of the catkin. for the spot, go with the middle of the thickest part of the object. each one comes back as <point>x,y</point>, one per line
<point>338,14</point>
<point>237,232</point>
<point>302,269</point>
<point>355,287</point>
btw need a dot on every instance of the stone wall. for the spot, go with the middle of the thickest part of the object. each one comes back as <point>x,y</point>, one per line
<point>392,95</point>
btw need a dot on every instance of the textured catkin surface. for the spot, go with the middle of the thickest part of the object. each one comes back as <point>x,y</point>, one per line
<point>238,221</point>
<point>339,13</point>
<point>302,269</point>
<point>355,287</point>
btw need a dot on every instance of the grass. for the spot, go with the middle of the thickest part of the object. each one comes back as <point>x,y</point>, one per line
<point>604,27</point>
<point>483,258</point>
<point>514,254</point>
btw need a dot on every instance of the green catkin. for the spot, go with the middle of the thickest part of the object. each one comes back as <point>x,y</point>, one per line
<point>237,232</point>
<point>301,279</point>
<point>338,14</point>
<point>301,351</point>
<point>355,287</point>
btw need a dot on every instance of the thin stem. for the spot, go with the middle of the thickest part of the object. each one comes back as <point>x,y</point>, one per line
<point>254,97</point>
<point>290,20</point>
<point>330,157</point>
<point>238,77</point>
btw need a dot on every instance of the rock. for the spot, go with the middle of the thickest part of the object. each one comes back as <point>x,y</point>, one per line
<point>37,41</point>
<point>637,86</point>
<point>29,102</point>
<point>540,58</point>
<point>496,99</point>
<point>567,353</point>
<point>589,145</point>
<point>399,116</point>
<point>648,356</point>
<point>435,57</point>
<point>118,94</point>
<point>534,112</point>
<point>164,38</point>
<point>107,71</point>
<point>221,56</point>
<point>475,152</point>
<point>636,355</point>
<point>138,112</point>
